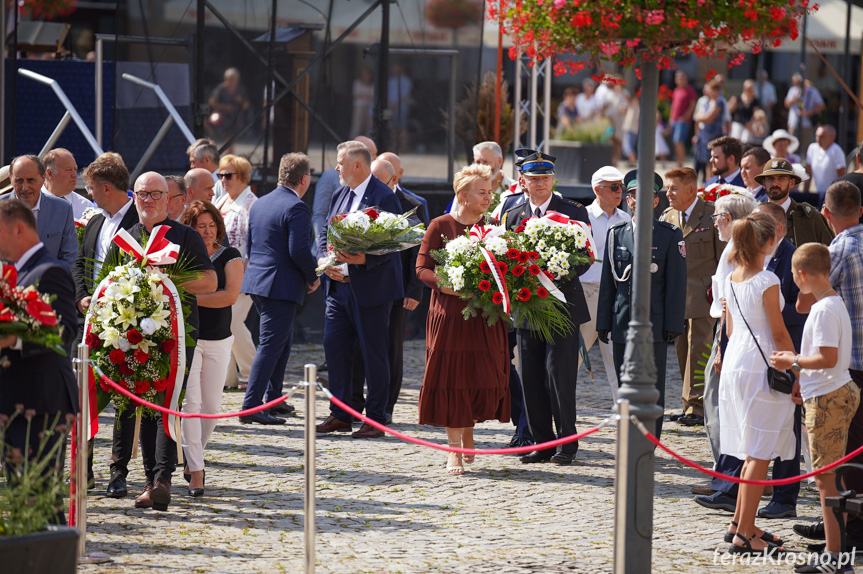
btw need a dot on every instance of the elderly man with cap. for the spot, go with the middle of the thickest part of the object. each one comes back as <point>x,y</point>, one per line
<point>549,371</point>
<point>607,185</point>
<point>667,286</point>
<point>702,248</point>
<point>805,223</point>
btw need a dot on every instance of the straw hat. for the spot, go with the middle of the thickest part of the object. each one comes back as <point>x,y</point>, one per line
<point>781,135</point>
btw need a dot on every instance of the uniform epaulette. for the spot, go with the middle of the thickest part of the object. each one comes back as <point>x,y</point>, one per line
<point>571,202</point>
<point>668,209</point>
<point>670,226</point>
<point>620,224</point>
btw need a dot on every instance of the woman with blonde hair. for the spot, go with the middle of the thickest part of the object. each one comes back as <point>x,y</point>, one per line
<point>235,173</point>
<point>756,420</point>
<point>467,362</point>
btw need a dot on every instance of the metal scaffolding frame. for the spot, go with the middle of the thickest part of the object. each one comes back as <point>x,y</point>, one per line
<point>534,72</point>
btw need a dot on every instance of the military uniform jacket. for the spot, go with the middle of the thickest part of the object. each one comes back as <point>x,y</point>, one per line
<point>806,225</point>
<point>667,281</point>
<point>702,250</point>
<point>571,289</point>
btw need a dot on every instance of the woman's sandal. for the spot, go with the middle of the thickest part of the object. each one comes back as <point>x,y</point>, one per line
<point>765,536</point>
<point>773,550</point>
<point>454,468</point>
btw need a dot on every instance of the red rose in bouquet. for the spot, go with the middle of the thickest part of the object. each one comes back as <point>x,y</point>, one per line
<point>117,357</point>
<point>168,345</point>
<point>93,341</point>
<point>125,369</point>
<point>373,215</point>
<point>134,336</point>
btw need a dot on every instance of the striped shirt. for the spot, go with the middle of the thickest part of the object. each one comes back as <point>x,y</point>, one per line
<point>846,277</point>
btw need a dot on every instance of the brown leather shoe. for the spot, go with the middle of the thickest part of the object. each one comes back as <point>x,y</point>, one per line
<point>144,500</point>
<point>367,431</point>
<point>703,489</point>
<point>161,495</point>
<point>333,424</point>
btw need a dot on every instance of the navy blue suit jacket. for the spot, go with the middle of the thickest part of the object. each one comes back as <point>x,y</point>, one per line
<point>738,181</point>
<point>37,377</point>
<point>379,280</point>
<point>409,200</point>
<point>780,265</point>
<point>279,246</point>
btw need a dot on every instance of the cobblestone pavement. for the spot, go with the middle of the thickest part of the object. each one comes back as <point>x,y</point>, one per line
<point>387,506</point>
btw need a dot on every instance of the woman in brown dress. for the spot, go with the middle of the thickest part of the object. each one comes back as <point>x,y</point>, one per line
<point>467,362</point>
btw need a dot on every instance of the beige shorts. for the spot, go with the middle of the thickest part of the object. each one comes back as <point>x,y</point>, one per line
<point>827,420</point>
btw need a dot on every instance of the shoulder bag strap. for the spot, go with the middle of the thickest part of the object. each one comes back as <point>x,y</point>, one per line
<point>731,284</point>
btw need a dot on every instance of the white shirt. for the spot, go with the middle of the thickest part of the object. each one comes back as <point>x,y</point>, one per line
<point>828,325</point>
<point>76,200</point>
<point>724,267</point>
<point>688,210</point>
<point>106,235</point>
<point>35,209</point>
<point>25,257</point>
<point>824,164</point>
<point>542,207</point>
<point>358,192</point>
<point>600,221</point>
<point>786,204</point>
<point>730,177</point>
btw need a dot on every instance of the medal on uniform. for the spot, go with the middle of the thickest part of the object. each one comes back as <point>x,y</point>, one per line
<point>654,267</point>
<point>681,247</point>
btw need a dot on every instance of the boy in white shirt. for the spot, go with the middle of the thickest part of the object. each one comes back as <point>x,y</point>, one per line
<point>830,397</point>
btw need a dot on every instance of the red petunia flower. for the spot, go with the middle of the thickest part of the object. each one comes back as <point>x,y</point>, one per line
<point>497,298</point>
<point>484,285</point>
<point>141,356</point>
<point>518,270</point>
<point>512,253</point>
<point>483,266</point>
<point>523,294</point>
<point>42,312</point>
<point>502,267</point>
<point>168,346</point>
<point>134,336</point>
<point>523,257</point>
<point>117,356</point>
<point>534,269</point>
<point>533,255</point>
<point>541,292</point>
<point>141,387</point>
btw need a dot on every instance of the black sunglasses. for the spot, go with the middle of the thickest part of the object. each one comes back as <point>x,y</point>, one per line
<point>227,175</point>
<point>613,186</point>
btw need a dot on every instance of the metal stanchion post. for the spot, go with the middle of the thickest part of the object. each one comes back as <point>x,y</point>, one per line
<point>311,372</point>
<point>621,483</point>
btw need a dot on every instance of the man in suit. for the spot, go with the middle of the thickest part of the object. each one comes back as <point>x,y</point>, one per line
<point>752,164</point>
<point>280,272</point>
<point>359,296</point>
<point>107,180</point>
<point>725,153</point>
<point>53,216</point>
<point>327,185</point>
<point>549,370</point>
<point>158,449</point>
<point>61,177</point>
<point>804,223</point>
<point>783,502</point>
<point>702,249</point>
<point>667,286</point>
<point>38,378</point>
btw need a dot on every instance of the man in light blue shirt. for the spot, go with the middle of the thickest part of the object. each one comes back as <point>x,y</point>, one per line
<point>607,184</point>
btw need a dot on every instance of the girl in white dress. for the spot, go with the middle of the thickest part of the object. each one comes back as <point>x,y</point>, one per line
<point>756,420</point>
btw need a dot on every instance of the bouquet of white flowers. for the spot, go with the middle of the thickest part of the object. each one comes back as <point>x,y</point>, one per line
<point>371,232</point>
<point>560,243</point>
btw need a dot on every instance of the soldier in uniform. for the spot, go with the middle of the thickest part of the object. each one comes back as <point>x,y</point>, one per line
<point>805,223</point>
<point>549,371</point>
<point>667,286</point>
<point>702,249</point>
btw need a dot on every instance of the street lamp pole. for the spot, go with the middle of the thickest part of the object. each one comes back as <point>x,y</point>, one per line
<point>634,519</point>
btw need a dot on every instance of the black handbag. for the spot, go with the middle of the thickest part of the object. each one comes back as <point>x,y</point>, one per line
<point>777,380</point>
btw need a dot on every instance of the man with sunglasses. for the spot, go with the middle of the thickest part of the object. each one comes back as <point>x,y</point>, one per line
<point>604,213</point>
<point>667,286</point>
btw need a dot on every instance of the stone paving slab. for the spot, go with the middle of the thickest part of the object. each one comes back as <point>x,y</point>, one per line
<point>384,506</point>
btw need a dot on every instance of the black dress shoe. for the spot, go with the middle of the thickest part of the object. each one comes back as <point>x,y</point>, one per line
<point>198,492</point>
<point>562,458</point>
<point>117,487</point>
<point>675,418</point>
<point>282,409</point>
<point>537,456</point>
<point>263,418</point>
<point>691,420</point>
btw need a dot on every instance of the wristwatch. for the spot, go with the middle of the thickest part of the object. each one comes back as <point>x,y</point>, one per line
<point>795,366</point>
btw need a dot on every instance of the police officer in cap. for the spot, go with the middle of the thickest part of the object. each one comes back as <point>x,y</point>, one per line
<point>515,195</point>
<point>549,371</point>
<point>667,286</point>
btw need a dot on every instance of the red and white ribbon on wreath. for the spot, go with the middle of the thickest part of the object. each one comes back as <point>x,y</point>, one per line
<point>159,251</point>
<point>481,233</point>
<point>178,360</point>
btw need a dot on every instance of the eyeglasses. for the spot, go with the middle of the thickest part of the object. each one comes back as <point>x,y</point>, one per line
<point>227,175</point>
<point>170,197</point>
<point>613,186</point>
<point>715,217</point>
<point>154,195</point>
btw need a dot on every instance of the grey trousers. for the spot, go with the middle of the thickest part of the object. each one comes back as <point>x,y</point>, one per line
<point>711,400</point>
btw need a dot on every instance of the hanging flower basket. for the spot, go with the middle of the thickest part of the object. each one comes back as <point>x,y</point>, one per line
<point>619,31</point>
<point>454,14</point>
<point>48,8</point>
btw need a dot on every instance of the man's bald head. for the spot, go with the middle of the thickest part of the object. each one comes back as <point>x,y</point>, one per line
<point>373,149</point>
<point>199,185</point>
<point>396,163</point>
<point>384,171</point>
<point>151,198</point>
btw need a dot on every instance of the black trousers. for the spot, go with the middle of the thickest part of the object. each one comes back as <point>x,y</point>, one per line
<point>549,378</point>
<point>395,353</point>
<point>122,442</point>
<point>660,357</point>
